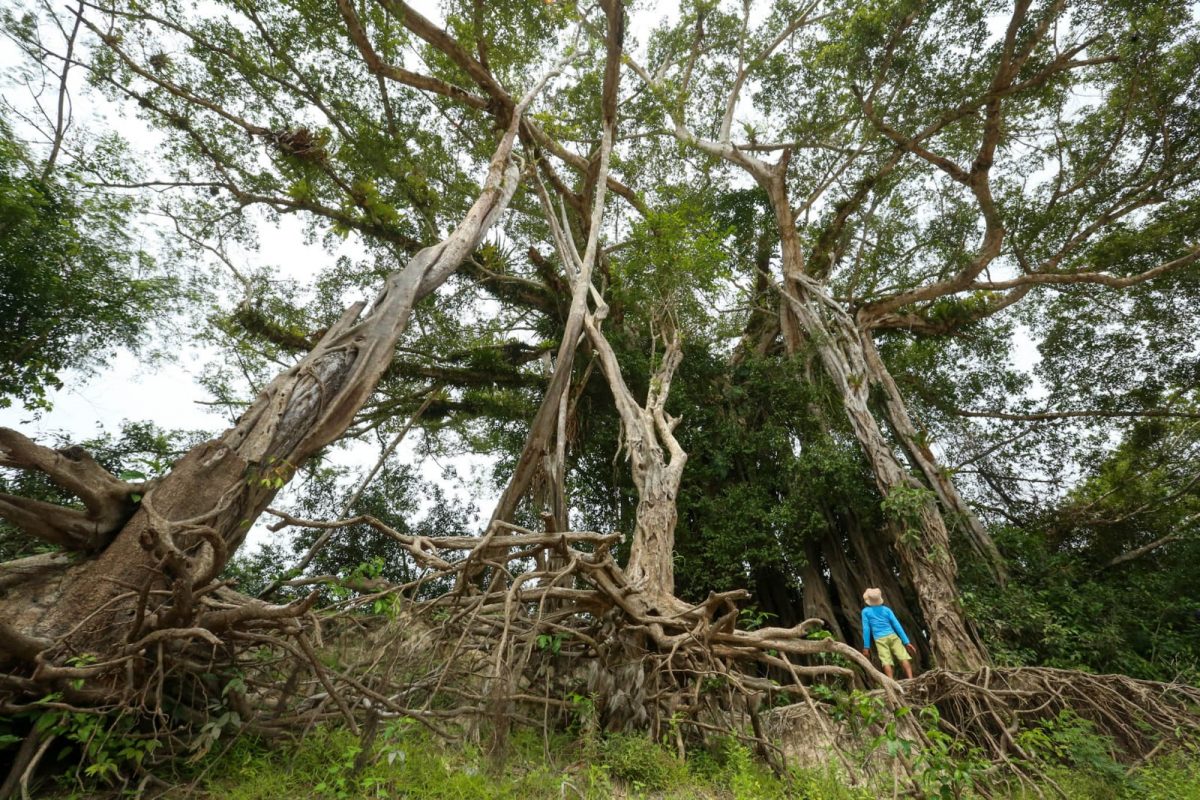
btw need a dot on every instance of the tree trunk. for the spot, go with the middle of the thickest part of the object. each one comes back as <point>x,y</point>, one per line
<point>923,545</point>
<point>775,596</point>
<point>648,441</point>
<point>647,430</point>
<point>190,522</point>
<point>924,550</point>
<point>919,454</point>
<point>848,586</point>
<point>817,600</point>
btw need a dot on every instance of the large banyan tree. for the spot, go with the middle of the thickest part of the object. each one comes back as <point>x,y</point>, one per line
<point>742,246</point>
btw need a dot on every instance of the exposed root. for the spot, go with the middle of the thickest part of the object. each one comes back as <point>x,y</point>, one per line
<point>990,707</point>
<point>549,633</point>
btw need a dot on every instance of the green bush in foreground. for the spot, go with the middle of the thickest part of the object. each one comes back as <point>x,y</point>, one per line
<point>407,762</point>
<point>641,763</point>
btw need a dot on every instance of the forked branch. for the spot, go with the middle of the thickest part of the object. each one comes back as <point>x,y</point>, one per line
<point>108,500</point>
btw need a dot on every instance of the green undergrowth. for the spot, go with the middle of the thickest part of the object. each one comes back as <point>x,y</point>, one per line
<point>406,761</point>
<point>1175,777</point>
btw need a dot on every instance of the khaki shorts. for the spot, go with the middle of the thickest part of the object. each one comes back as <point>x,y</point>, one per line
<point>888,646</point>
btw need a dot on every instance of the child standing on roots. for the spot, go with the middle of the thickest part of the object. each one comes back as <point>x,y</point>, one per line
<point>880,624</point>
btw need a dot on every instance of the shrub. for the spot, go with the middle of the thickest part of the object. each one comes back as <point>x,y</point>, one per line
<point>641,763</point>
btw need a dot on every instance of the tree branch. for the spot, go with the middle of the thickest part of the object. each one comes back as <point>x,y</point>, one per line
<point>377,66</point>
<point>1138,552</point>
<point>15,645</point>
<point>1098,278</point>
<point>106,497</point>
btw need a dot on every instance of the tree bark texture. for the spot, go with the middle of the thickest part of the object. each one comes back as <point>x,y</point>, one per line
<point>108,501</point>
<point>923,549</point>
<point>656,460</point>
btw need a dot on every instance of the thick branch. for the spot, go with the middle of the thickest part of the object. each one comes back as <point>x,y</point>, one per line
<point>919,322</point>
<point>107,498</point>
<point>1138,552</point>
<point>1037,416</point>
<point>72,468</point>
<point>377,66</point>
<point>15,645</point>
<point>1097,278</point>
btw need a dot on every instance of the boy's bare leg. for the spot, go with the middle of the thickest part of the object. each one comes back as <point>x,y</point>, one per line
<point>887,670</point>
<point>907,669</point>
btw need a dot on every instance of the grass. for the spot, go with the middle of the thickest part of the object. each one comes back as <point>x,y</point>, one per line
<point>1174,777</point>
<point>407,762</point>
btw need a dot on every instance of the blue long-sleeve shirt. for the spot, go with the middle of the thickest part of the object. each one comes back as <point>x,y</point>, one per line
<point>879,621</point>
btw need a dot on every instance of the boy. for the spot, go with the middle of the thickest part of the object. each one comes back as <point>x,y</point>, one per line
<point>880,624</point>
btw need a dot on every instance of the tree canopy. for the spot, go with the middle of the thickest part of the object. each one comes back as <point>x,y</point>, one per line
<point>75,286</point>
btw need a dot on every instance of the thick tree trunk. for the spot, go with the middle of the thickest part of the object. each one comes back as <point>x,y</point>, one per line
<point>774,594</point>
<point>657,462</point>
<point>923,551</point>
<point>924,556</point>
<point>848,585</point>
<point>817,600</point>
<point>923,547</point>
<point>193,519</point>
<point>651,565</point>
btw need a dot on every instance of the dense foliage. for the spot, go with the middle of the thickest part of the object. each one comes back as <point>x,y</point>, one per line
<point>1078,600</point>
